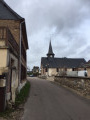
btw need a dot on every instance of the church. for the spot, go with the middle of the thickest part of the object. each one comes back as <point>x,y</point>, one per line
<point>51,66</point>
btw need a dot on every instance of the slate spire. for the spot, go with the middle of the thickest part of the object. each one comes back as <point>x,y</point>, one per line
<point>50,51</point>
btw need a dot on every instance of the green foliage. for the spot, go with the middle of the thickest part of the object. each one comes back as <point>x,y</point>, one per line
<point>29,73</point>
<point>6,113</point>
<point>22,96</point>
<point>20,99</point>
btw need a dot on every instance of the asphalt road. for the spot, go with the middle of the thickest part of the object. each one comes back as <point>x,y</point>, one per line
<point>48,101</point>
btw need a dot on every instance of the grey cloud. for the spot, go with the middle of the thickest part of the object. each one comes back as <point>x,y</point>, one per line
<point>57,13</point>
<point>86,52</point>
<point>60,14</point>
<point>62,18</point>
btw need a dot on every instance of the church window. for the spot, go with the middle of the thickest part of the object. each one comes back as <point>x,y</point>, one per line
<point>57,69</point>
<point>46,70</point>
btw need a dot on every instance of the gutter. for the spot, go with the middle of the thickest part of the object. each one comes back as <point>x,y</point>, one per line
<point>20,51</point>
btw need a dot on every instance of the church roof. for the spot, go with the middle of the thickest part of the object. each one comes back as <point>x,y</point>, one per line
<point>62,62</point>
<point>50,51</point>
<point>6,13</point>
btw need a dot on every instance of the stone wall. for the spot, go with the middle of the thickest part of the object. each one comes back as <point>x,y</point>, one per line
<point>80,84</point>
<point>42,76</point>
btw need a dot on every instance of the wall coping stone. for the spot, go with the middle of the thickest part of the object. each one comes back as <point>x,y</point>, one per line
<point>79,77</point>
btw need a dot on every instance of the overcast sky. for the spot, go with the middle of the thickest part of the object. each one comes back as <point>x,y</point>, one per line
<point>66,22</point>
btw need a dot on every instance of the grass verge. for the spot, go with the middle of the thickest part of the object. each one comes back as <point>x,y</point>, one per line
<point>22,96</point>
<point>20,99</point>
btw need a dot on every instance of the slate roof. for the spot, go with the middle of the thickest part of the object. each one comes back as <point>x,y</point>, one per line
<point>50,51</point>
<point>6,13</point>
<point>62,62</point>
<point>86,65</point>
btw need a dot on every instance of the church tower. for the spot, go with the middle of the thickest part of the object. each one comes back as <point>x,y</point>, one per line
<point>50,51</point>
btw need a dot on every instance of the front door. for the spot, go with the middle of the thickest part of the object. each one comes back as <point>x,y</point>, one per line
<point>2,98</point>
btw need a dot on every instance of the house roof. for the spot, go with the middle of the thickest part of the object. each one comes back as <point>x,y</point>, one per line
<point>86,65</point>
<point>62,62</point>
<point>6,13</point>
<point>50,51</point>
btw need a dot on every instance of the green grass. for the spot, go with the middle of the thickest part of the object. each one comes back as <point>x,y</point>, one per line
<point>20,99</point>
<point>6,113</point>
<point>22,96</point>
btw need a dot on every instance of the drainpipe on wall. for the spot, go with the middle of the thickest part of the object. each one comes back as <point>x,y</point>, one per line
<point>20,53</point>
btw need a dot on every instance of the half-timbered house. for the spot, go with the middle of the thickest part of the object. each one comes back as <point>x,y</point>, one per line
<point>13,58</point>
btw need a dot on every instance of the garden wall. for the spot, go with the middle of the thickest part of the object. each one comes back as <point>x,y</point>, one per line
<point>81,84</point>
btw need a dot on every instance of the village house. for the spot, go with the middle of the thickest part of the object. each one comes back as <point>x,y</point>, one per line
<point>86,66</point>
<point>51,66</point>
<point>35,70</point>
<point>13,58</point>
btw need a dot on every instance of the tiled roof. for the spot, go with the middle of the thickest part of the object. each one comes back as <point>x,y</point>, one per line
<point>62,62</point>
<point>7,13</point>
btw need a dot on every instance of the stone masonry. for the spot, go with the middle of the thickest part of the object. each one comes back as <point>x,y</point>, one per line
<point>80,84</point>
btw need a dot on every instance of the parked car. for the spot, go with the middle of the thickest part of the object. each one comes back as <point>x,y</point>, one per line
<point>31,76</point>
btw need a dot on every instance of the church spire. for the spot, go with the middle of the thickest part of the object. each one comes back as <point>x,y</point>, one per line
<point>50,51</point>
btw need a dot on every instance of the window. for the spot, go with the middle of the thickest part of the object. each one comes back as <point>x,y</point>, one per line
<point>85,69</point>
<point>65,69</point>
<point>2,33</point>
<point>46,70</point>
<point>57,69</point>
<point>12,62</point>
<point>72,69</point>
